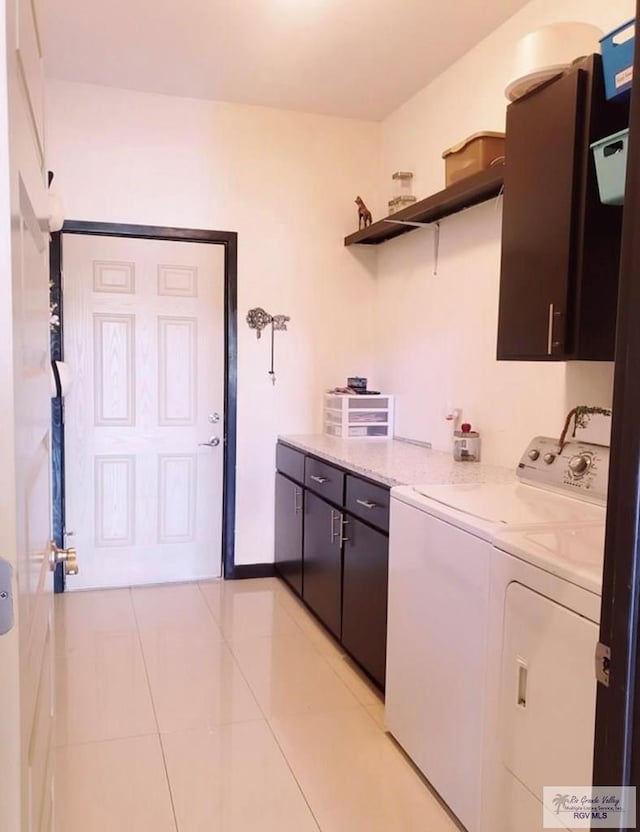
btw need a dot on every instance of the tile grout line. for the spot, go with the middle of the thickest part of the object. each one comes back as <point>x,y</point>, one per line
<point>319,652</point>
<point>102,741</point>
<point>279,747</point>
<point>236,663</point>
<point>382,730</point>
<point>293,774</point>
<point>315,649</point>
<point>208,608</point>
<point>155,715</point>
<point>365,707</point>
<point>307,639</point>
<point>265,718</point>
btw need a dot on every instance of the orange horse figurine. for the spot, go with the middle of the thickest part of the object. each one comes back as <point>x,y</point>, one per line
<point>364,214</point>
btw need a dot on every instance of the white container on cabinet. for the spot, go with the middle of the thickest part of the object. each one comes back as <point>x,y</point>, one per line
<point>358,417</point>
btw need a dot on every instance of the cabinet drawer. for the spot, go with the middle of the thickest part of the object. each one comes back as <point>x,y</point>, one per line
<point>290,462</point>
<point>370,502</point>
<point>324,479</point>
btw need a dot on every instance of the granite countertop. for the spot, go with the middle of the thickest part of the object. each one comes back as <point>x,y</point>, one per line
<point>396,462</point>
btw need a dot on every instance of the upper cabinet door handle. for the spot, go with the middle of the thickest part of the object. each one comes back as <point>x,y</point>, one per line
<point>552,342</point>
<point>550,331</point>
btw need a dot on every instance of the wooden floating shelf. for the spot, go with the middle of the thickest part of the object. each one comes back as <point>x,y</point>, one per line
<point>471,191</point>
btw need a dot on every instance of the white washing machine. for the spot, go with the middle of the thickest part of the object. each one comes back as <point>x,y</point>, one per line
<point>444,607</point>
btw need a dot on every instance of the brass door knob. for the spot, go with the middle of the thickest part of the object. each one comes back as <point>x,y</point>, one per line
<point>67,557</point>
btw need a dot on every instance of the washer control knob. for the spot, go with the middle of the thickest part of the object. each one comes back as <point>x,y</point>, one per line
<point>549,458</point>
<point>534,454</point>
<point>579,464</point>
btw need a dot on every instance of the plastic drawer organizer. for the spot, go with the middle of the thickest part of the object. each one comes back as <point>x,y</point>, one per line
<point>358,417</point>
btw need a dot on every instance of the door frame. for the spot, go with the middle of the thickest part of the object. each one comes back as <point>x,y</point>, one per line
<point>617,734</point>
<point>228,239</point>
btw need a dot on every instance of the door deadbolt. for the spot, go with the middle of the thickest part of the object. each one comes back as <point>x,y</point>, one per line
<point>6,597</point>
<point>67,557</point>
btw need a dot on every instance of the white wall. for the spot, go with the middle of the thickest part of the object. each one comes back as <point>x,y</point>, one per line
<point>286,183</point>
<point>436,335</point>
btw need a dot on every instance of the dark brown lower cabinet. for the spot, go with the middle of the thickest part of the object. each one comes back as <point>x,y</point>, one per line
<point>364,615</point>
<point>288,540</point>
<point>335,561</point>
<point>322,586</point>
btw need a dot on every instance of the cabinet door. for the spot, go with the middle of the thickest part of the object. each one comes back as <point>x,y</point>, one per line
<point>322,584</point>
<point>541,185</point>
<point>364,597</point>
<point>288,540</point>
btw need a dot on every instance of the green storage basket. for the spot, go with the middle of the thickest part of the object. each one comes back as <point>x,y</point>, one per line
<point>611,166</point>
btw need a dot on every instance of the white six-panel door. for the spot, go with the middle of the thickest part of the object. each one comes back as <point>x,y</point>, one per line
<point>144,337</point>
<point>26,699</point>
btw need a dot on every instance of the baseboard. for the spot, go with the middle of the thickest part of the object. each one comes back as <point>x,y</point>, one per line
<point>253,570</point>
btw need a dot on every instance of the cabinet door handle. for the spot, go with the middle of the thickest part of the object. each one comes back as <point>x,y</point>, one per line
<point>343,525</point>
<point>334,534</point>
<point>552,343</point>
<point>297,508</point>
<point>367,504</point>
<point>319,480</point>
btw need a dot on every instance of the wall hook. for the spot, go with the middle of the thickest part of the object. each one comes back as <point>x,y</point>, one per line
<point>258,319</point>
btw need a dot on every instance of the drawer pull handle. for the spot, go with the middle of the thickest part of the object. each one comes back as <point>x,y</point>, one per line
<point>320,480</point>
<point>367,504</point>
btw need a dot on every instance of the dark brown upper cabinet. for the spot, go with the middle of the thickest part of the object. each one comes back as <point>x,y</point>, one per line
<point>560,244</point>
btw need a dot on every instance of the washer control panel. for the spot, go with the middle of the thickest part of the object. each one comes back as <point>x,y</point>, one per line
<point>579,468</point>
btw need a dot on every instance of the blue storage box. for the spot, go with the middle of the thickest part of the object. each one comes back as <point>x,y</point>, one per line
<point>611,166</point>
<point>617,59</point>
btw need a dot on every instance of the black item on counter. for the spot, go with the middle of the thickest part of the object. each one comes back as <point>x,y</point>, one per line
<point>357,384</point>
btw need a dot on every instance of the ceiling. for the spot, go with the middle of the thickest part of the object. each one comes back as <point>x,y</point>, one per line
<point>357,58</point>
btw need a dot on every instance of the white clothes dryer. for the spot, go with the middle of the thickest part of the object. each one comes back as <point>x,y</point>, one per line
<point>541,687</point>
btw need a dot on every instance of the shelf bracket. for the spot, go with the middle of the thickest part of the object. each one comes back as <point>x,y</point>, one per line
<point>412,224</point>
<point>436,237</point>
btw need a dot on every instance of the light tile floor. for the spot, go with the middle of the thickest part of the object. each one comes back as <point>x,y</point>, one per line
<point>221,707</point>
